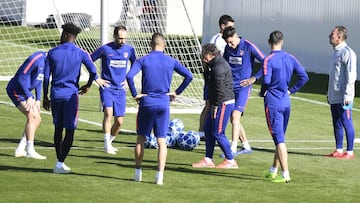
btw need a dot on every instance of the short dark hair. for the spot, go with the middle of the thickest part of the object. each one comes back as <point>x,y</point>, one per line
<point>119,27</point>
<point>70,28</point>
<point>342,31</point>
<point>157,38</point>
<point>228,32</point>
<point>275,37</point>
<point>224,19</point>
<point>210,49</point>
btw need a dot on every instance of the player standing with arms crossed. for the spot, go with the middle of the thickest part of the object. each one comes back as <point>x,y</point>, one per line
<point>278,69</point>
<point>240,54</point>
<point>154,100</point>
<point>115,60</point>
<point>341,92</point>
<point>63,64</point>
<point>27,78</point>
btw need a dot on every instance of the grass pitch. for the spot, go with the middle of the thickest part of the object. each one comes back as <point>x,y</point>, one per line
<point>99,177</point>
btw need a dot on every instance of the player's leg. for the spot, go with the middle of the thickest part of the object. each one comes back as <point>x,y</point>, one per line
<point>207,161</point>
<point>346,118</point>
<point>278,119</point>
<point>220,122</point>
<point>33,121</point>
<point>145,120</point>
<point>160,129</point>
<point>338,129</point>
<point>68,119</point>
<point>119,113</point>
<point>139,155</point>
<point>203,116</point>
<point>107,104</point>
<point>242,98</point>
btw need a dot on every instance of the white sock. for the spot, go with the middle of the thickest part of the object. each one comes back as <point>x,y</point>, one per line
<point>106,140</point>
<point>159,177</point>
<point>207,159</point>
<point>273,169</point>
<point>234,146</point>
<point>286,174</point>
<point>246,145</point>
<point>30,146</point>
<point>201,134</point>
<point>350,152</point>
<point>22,143</point>
<point>112,138</point>
<point>340,150</point>
<point>59,164</point>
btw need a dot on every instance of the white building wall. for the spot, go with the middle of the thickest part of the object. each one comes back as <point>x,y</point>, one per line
<point>306,25</point>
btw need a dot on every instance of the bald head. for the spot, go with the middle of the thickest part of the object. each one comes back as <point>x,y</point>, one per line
<point>158,42</point>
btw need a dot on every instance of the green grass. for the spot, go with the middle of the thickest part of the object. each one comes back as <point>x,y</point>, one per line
<point>99,177</point>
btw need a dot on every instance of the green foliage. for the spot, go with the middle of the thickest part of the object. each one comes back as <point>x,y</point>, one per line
<point>99,177</point>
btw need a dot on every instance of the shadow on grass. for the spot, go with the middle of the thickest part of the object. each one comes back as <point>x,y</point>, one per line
<point>289,152</point>
<point>37,142</point>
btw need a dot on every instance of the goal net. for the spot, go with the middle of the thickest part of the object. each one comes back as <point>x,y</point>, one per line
<point>21,34</point>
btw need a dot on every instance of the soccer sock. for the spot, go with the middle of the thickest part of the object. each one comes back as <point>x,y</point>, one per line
<point>246,145</point>
<point>59,164</point>
<point>30,146</point>
<point>112,138</point>
<point>273,169</point>
<point>340,150</point>
<point>159,177</point>
<point>286,175</point>
<point>207,159</point>
<point>234,146</point>
<point>201,134</point>
<point>22,143</point>
<point>106,140</point>
<point>350,152</point>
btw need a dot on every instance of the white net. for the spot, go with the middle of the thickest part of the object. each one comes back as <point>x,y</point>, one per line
<point>19,36</point>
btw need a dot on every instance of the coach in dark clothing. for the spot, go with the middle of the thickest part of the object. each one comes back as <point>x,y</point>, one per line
<point>218,78</point>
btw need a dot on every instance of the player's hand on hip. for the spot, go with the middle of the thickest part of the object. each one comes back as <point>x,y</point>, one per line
<point>172,95</point>
<point>102,83</point>
<point>84,89</point>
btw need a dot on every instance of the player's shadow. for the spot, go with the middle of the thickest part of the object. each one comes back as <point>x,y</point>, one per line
<point>289,152</point>
<point>37,142</point>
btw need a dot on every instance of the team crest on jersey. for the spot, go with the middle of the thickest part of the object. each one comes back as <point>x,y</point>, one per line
<point>241,52</point>
<point>126,54</point>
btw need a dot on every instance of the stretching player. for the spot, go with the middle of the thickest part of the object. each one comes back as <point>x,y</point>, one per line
<point>224,21</point>
<point>115,58</point>
<point>240,54</point>
<point>154,100</point>
<point>278,69</point>
<point>218,78</point>
<point>28,77</point>
<point>63,64</point>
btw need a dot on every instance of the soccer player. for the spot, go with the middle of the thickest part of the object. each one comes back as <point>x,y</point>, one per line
<point>240,54</point>
<point>278,69</point>
<point>218,78</point>
<point>28,77</point>
<point>115,60</point>
<point>224,21</point>
<point>341,92</point>
<point>154,100</point>
<point>63,64</point>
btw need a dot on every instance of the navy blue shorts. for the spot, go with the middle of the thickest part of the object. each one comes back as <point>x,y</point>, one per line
<point>115,99</point>
<point>65,112</point>
<point>153,118</point>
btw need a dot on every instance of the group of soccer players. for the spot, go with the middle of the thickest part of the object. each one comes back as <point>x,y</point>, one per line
<point>228,73</point>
